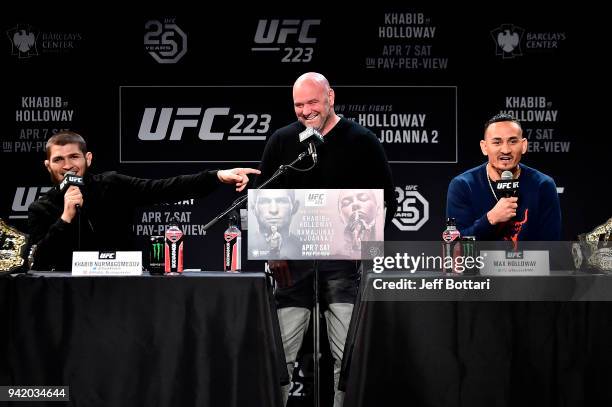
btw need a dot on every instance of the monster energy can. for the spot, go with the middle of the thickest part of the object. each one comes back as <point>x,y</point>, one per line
<point>156,255</point>
<point>468,248</point>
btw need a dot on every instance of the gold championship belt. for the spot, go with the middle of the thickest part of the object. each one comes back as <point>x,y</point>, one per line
<point>594,249</point>
<point>13,247</point>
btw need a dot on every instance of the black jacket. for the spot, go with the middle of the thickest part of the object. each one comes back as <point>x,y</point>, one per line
<point>106,215</point>
<point>350,157</point>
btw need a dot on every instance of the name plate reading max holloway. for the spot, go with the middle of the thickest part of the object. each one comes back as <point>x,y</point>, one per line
<point>107,263</point>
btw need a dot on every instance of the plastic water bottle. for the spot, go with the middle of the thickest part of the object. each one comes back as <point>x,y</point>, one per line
<point>451,238</point>
<point>173,251</point>
<point>232,252</point>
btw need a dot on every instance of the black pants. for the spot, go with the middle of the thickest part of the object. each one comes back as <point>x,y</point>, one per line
<point>338,283</point>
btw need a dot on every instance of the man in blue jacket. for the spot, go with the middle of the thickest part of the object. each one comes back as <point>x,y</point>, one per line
<point>478,208</point>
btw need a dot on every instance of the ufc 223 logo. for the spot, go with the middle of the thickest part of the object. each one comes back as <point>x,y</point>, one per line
<point>170,123</point>
<point>165,41</point>
<point>294,38</point>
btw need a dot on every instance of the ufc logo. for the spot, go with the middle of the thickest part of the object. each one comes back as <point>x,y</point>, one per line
<point>315,199</point>
<point>147,133</point>
<point>507,185</point>
<point>514,255</point>
<point>107,256</point>
<point>245,126</point>
<point>24,196</point>
<point>268,31</point>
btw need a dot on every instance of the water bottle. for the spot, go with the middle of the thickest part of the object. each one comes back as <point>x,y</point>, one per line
<point>173,251</point>
<point>451,238</point>
<point>232,246</point>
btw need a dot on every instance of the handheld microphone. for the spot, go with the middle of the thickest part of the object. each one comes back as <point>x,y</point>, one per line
<point>508,186</point>
<point>71,178</point>
<point>312,138</point>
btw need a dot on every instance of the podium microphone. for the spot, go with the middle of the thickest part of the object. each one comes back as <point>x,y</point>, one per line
<point>312,138</point>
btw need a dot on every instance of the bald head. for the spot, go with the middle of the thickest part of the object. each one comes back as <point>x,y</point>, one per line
<point>312,78</point>
<point>313,101</point>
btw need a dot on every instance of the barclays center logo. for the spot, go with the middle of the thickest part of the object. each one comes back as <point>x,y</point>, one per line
<point>512,41</point>
<point>507,38</point>
<point>23,41</point>
<point>27,41</point>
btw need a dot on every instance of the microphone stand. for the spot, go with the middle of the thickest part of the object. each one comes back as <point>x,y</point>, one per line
<point>316,325</point>
<point>316,337</point>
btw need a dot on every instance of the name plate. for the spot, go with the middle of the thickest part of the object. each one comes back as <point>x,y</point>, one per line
<point>515,263</point>
<point>107,263</point>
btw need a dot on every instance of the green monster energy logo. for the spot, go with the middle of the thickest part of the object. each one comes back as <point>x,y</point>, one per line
<point>157,251</point>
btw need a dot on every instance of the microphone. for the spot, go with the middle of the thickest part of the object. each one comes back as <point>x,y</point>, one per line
<point>312,138</point>
<point>508,186</point>
<point>71,178</point>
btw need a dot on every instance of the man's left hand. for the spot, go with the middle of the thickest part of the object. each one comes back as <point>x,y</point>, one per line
<point>236,176</point>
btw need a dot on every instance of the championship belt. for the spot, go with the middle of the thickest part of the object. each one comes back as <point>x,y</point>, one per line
<point>594,249</point>
<point>13,249</point>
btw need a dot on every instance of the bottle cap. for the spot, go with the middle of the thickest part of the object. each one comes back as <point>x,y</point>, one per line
<point>233,219</point>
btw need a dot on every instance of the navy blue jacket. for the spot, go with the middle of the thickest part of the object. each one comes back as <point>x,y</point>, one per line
<point>538,216</point>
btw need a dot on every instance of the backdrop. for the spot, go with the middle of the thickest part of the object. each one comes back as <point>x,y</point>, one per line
<point>160,94</point>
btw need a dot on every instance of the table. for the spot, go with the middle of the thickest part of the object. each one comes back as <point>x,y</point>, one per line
<point>202,339</point>
<point>482,353</point>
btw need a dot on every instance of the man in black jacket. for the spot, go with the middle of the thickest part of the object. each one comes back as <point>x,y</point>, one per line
<point>351,157</point>
<point>105,201</point>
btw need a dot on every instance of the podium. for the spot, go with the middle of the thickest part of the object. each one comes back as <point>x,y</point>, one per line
<point>315,225</point>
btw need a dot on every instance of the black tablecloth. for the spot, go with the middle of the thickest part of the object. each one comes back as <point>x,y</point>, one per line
<point>435,353</point>
<point>209,339</point>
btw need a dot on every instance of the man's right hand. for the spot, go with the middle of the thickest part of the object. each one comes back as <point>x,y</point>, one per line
<point>72,198</point>
<point>503,211</point>
<point>280,272</point>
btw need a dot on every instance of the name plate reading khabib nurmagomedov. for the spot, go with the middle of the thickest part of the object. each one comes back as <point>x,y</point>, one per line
<point>109,263</point>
